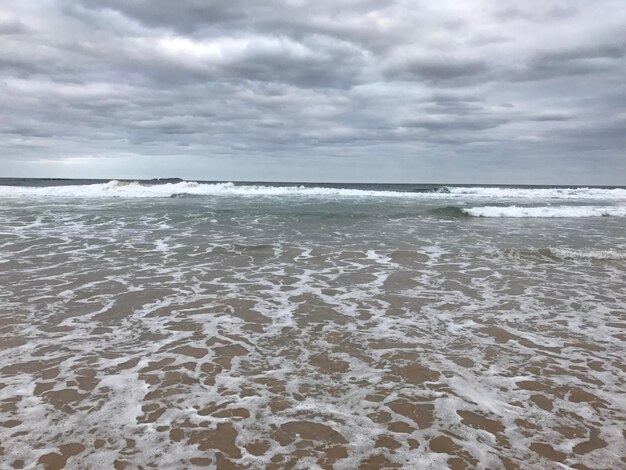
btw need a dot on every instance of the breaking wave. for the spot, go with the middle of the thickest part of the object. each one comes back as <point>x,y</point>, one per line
<point>127,189</point>
<point>592,254</point>
<point>541,193</point>
<point>546,211</point>
<point>190,188</point>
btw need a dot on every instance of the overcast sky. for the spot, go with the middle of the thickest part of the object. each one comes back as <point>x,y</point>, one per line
<point>483,91</point>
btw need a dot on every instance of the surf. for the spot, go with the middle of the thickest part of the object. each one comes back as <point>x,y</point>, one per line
<point>137,189</point>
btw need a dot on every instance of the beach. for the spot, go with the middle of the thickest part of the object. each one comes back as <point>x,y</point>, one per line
<point>188,324</point>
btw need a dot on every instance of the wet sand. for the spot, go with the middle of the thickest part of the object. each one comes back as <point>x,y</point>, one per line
<point>153,341</point>
<point>208,370</point>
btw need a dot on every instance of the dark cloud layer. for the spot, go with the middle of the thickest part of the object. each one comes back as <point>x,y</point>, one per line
<point>476,91</point>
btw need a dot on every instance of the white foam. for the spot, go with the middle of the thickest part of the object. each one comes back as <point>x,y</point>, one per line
<point>546,211</point>
<point>116,188</point>
<point>588,254</point>
<point>541,193</point>
<point>161,245</point>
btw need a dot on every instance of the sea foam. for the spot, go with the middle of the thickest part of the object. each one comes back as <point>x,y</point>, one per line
<point>588,254</point>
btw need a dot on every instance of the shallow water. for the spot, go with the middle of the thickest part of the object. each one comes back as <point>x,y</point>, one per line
<point>294,329</point>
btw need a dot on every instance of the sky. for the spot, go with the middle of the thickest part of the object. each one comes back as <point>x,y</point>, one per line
<point>473,91</point>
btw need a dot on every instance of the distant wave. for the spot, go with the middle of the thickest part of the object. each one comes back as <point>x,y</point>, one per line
<point>546,211</point>
<point>189,188</point>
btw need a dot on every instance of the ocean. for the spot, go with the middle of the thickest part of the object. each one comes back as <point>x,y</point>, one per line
<point>177,324</point>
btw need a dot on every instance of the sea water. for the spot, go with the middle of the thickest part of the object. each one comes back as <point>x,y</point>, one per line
<point>178,324</point>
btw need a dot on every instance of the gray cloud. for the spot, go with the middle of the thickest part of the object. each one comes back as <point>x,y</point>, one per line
<point>11,26</point>
<point>551,117</point>
<point>437,69</point>
<point>582,61</point>
<point>478,91</point>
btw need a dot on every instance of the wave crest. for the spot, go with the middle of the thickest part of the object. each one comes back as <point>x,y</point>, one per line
<point>546,211</point>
